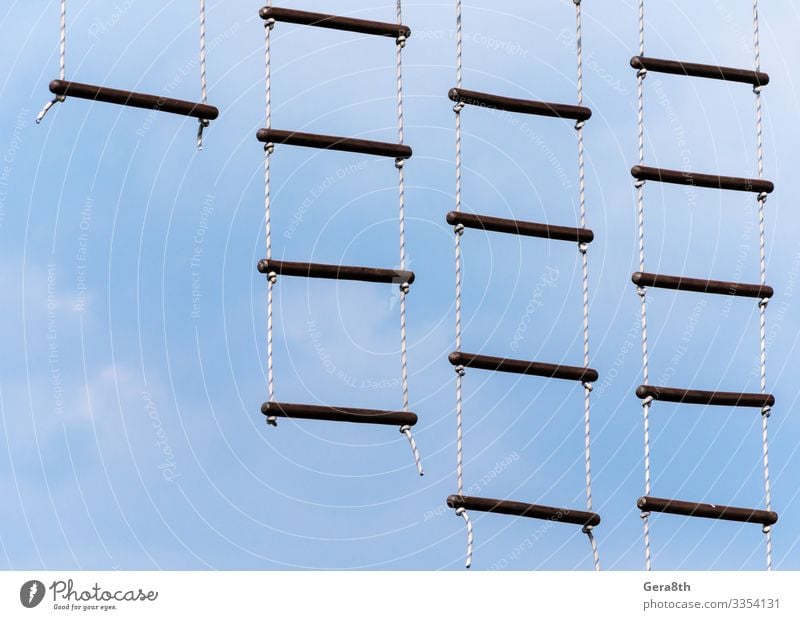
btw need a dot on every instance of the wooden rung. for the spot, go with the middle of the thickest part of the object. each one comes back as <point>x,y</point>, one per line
<point>339,414</point>
<point>693,69</point>
<point>520,509</point>
<point>522,367</point>
<point>523,106</point>
<point>718,287</point>
<point>334,143</point>
<point>201,111</point>
<point>335,22</point>
<point>680,177</point>
<point>707,511</point>
<point>336,272</point>
<point>519,227</point>
<point>701,397</point>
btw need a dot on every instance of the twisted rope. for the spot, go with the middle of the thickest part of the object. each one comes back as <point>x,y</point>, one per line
<point>404,288</point>
<point>762,306</point>
<point>271,277</point>
<point>646,403</point>
<point>460,371</point>
<point>62,61</point>
<point>587,387</point>
<point>202,123</point>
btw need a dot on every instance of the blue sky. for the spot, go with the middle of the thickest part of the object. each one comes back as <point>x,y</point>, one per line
<point>132,436</point>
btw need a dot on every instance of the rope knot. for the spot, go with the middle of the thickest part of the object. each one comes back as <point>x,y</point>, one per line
<point>405,287</point>
<point>762,197</point>
<point>641,73</point>
<point>647,400</point>
<point>460,370</point>
<point>580,124</point>
<point>766,411</point>
<point>587,529</point>
<point>272,277</point>
<point>588,386</point>
<point>758,88</point>
<point>401,41</point>
<point>458,107</point>
<point>763,302</point>
<point>272,421</point>
<point>639,183</point>
<point>644,514</point>
<point>269,148</point>
<point>269,23</point>
<point>766,529</point>
<point>641,291</point>
<point>583,247</point>
<point>459,229</point>
<point>399,163</point>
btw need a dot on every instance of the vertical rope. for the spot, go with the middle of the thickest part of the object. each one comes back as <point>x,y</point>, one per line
<point>405,287</point>
<point>641,74</point>
<point>202,123</point>
<point>272,276</point>
<point>762,306</point>
<point>583,247</point>
<point>460,371</point>
<point>62,60</point>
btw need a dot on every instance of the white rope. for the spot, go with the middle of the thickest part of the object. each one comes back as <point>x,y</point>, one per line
<point>271,277</point>
<point>462,512</point>
<point>202,123</point>
<point>587,387</point>
<point>646,403</point>
<point>762,306</point>
<point>460,371</point>
<point>405,287</point>
<point>62,61</point>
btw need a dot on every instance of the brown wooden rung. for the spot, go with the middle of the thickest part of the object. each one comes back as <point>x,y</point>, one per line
<point>693,69</point>
<point>718,287</point>
<point>703,397</point>
<point>201,111</point>
<point>334,143</point>
<point>681,177</point>
<point>335,22</point>
<point>335,272</point>
<point>339,414</point>
<point>522,106</point>
<point>519,227</point>
<point>707,511</point>
<point>522,367</point>
<point>520,509</point>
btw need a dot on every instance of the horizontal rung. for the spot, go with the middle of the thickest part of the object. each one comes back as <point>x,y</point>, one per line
<point>681,177</point>
<point>718,287</point>
<point>522,367</point>
<point>701,397</point>
<point>518,227</point>
<point>202,111</point>
<point>707,511</point>
<point>523,106</point>
<point>520,509</point>
<point>335,272</point>
<point>339,414</point>
<point>335,22</point>
<point>334,143</point>
<point>693,69</point>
